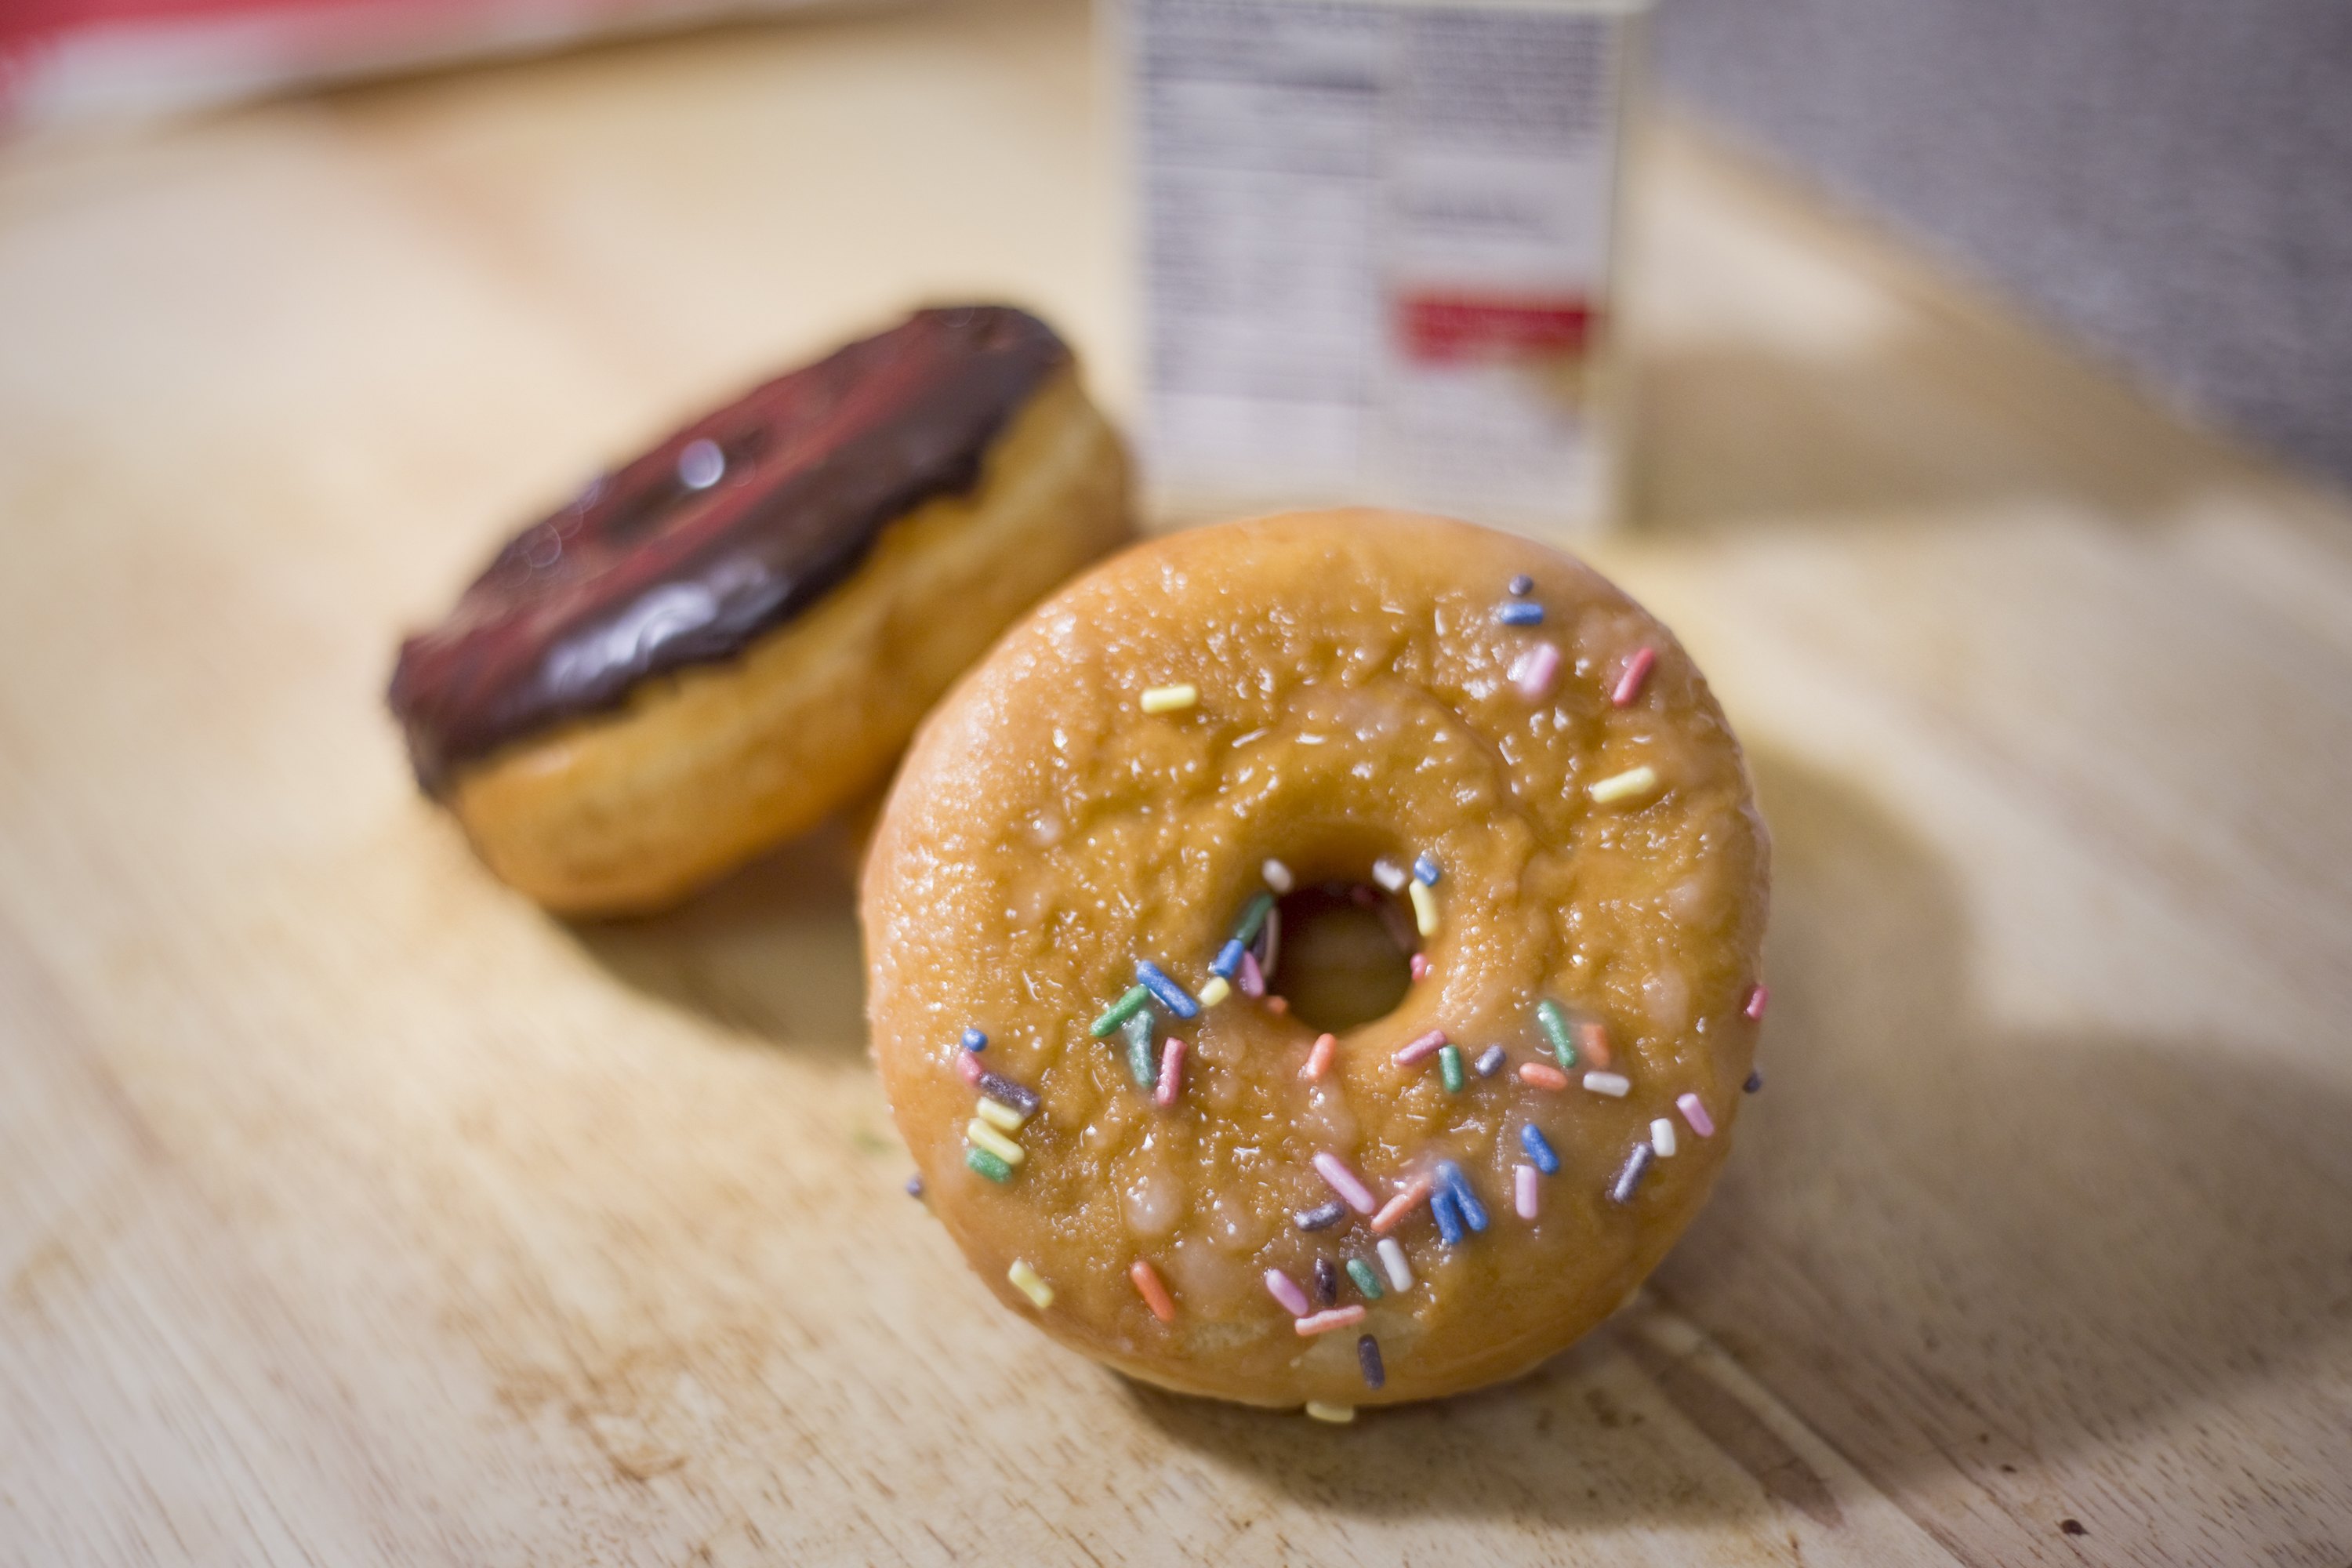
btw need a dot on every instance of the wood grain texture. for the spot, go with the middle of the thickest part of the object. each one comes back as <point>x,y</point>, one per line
<point>350,1210</point>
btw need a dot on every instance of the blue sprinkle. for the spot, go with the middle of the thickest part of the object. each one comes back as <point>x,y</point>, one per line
<point>1539,1149</point>
<point>1522,586</point>
<point>1164,991</point>
<point>1442,1208</point>
<point>1424,870</point>
<point>1489,1062</point>
<point>1228,961</point>
<point>1754,1081</point>
<point>1474,1213</point>
<point>1368,1356</point>
<point>973,1040</point>
<point>1523,614</point>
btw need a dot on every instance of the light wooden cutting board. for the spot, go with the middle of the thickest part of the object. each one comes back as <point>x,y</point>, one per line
<point>352,1211</point>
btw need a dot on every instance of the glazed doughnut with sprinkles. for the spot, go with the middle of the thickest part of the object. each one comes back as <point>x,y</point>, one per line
<point>1314,959</point>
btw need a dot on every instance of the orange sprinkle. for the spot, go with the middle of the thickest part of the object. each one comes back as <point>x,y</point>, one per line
<point>1403,1203</point>
<point>1277,1005</point>
<point>1594,1038</point>
<point>1542,1075</point>
<point>1155,1294</point>
<point>1319,1060</point>
<point>1323,1323</point>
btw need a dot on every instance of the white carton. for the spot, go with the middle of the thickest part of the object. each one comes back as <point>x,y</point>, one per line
<point>1376,241</point>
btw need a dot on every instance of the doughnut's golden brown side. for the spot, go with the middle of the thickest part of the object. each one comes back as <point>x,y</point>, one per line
<point>632,810</point>
<point>1360,697</point>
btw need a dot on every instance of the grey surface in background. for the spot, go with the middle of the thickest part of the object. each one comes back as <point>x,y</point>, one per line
<point>2169,179</point>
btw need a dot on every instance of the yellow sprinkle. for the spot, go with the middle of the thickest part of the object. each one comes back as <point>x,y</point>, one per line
<point>1425,908</point>
<point>1169,698</point>
<point>998,1114</point>
<point>1215,991</point>
<point>995,1143</point>
<point>1627,785</point>
<point>1024,1279</point>
<point>1337,1415</point>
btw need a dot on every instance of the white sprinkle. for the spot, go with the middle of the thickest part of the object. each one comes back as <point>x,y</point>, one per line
<point>1169,698</point>
<point>1628,785</point>
<point>1662,1137</point>
<point>1278,876</point>
<point>1393,1259</point>
<point>1390,874</point>
<point>1613,1084</point>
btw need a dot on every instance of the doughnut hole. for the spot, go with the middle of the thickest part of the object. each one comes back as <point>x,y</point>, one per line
<point>1340,967</point>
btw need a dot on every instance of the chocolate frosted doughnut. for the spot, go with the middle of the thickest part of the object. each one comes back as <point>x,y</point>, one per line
<point>1073,909</point>
<point>732,636</point>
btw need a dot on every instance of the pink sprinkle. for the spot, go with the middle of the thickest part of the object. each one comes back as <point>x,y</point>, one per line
<point>1285,1289</point>
<point>1420,967</point>
<point>1345,1182</point>
<point>1337,1317</point>
<point>1694,1111</point>
<point>968,1064</point>
<point>1637,671</point>
<point>1542,1075</point>
<point>1277,1006</point>
<point>1397,1207</point>
<point>1523,1189</point>
<point>1252,978</point>
<point>1757,997</point>
<point>1535,672</point>
<point>1429,1045</point>
<point>1171,1070</point>
<point>1319,1060</point>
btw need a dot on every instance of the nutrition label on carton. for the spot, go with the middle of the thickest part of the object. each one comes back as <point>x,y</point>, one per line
<point>1376,248</point>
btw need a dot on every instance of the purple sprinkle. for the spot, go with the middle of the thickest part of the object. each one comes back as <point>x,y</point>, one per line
<point>1489,1062</point>
<point>1637,1164</point>
<point>1321,1217</point>
<point>915,1186</point>
<point>1754,1081</point>
<point>1522,586</point>
<point>1005,1090</point>
<point>1327,1282</point>
<point>1368,1356</point>
<point>700,464</point>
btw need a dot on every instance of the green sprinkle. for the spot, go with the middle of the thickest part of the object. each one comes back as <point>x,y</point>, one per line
<point>1449,1062</point>
<point>1125,1007</point>
<point>1555,1028</point>
<point>1366,1280</point>
<point>987,1164</point>
<point>1139,1065</point>
<point>1254,919</point>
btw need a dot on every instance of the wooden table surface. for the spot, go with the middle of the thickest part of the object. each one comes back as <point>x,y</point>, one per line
<point>353,1211</point>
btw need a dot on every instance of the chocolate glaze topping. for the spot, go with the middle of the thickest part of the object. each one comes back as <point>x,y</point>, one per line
<point>725,531</point>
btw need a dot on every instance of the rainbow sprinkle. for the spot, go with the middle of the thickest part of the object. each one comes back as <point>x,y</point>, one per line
<point>1428,1045</point>
<point>1595,1036</point>
<point>1319,1060</point>
<point>1754,1081</point>
<point>1172,1071</point>
<point>1254,915</point>
<point>1523,1190</point>
<point>1449,1176</point>
<point>1637,1164</point>
<point>1662,1137</point>
<point>999,1115</point>
<point>1277,876</point>
<point>1489,1062</point>
<point>1026,1280</point>
<point>915,1185</point>
<point>1155,1294</point>
<point>1542,1075</point>
<point>1323,1323</point>
<point>1539,1149</point>
<point>1140,1066</point>
<point>983,1136</point>
<point>1252,978</point>
<point>1322,1216</point>
<point>974,1041</point>
<point>1418,967</point>
<point>1629,682</point>
<point>1631,784</point>
<point>1164,991</point>
<point>1613,1084</point>
<point>1120,1011</point>
<point>1229,958</point>
<point>1020,1099</point>
<point>1425,869</point>
<point>1366,1280</point>
<point>1425,909</point>
<point>987,1164</point>
<point>1757,997</point>
<point>1344,1182</point>
<point>968,1067</point>
<point>1214,991</point>
<point>1537,671</point>
<point>1327,1282</point>
<point>1694,1110</point>
<point>1520,615</point>
<point>1393,1259</point>
<point>1402,1205</point>
<point>1337,1415</point>
<point>1522,586</point>
<point>1449,1064</point>
<point>1169,698</point>
<point>1285,1290</point>
<point>1442,1209</point>
<point>1554,1024</point>
<point>1368,1357</point>
<point>1390,874</point>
